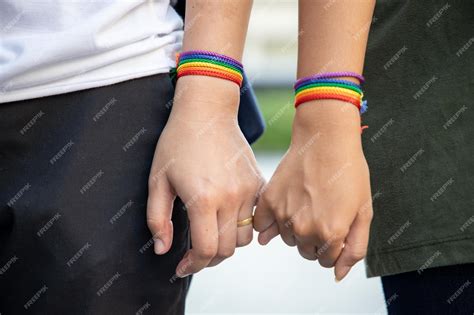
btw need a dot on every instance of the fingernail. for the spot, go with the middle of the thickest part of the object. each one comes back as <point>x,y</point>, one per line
<point>181,269</point>
<point>159,246</point>
<point>343,271</point>
<point>183,276</point>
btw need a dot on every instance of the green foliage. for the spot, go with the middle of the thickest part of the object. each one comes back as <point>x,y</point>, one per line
<point>277,108</point>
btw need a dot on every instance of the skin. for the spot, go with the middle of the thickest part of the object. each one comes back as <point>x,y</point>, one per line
<point>202,156</point>
<point>319,198</point>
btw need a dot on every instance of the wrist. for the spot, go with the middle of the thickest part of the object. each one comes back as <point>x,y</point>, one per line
<point>329,116</point>
<point>331,102</point>
<point>330,127</point>
<point>201,97</point>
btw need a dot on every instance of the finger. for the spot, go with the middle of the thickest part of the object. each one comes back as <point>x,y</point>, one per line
<point>266,236</point>
<point>286,234</point>
<point>307,251</point>
<point>245,233</point>
<point>227,235</point>
<point>159,210</point>
<point>203,226</point>
<point>263,217</point>
<point>355,247</point>
<point>329,252</point>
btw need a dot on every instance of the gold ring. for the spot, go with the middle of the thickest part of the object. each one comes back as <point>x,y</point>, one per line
<point>245,222</point>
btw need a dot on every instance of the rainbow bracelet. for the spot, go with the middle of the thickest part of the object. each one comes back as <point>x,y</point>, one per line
<point>207,63</point>
<point>322,86</point>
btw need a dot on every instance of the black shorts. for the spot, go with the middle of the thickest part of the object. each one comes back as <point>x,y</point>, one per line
<point>73,190</point>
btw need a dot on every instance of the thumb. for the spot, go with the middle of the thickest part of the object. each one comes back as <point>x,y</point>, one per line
<point>355,247</point>
<point>158,213</point>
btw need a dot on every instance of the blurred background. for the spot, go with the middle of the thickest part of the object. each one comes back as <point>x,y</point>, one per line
<point>274,278</point>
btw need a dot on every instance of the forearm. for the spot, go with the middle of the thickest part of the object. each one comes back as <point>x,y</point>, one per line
<point>333,37</point>
<point>213,169</point>
<point>216,25</point>
<point>323,180</point>
<point>221,27</point>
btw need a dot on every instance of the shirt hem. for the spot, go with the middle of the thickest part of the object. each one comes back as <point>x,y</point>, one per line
<point>421,257</point>
<point>38,92</point>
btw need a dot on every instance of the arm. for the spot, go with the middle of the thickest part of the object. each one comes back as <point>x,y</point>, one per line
<point>202,156</point>
<point>218,26</point>
<point>319,198</point>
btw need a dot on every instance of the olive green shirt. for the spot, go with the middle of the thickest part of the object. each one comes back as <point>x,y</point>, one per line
<point>420,89</point>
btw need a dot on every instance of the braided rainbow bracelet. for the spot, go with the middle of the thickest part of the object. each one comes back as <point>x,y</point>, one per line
<point>207,63</point>
<point>322,86</point>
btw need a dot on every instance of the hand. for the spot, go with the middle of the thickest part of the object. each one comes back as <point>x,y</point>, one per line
<point>319,198</point>
<point>203,157</point>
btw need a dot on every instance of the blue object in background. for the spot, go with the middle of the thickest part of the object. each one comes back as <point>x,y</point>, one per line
<point>250,118</point>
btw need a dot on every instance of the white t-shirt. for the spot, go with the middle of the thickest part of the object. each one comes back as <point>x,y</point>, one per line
<point>50,47</point>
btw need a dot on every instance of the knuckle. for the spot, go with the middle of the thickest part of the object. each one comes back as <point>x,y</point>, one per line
<point>154,224</point>
<point>357,257</point>
<point>326,263</point>
<point>206,253</point>
<point>288,239</point>
<point>225,253</point>
<point>152,182</point>
<point>205,199</point>
<point>308,257</point>
<point>282,217</point>
<point>357,254</point>
<point>333,233</point>
<point>307,254</point>
<point>233,194</point>
<point>302,229</point>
